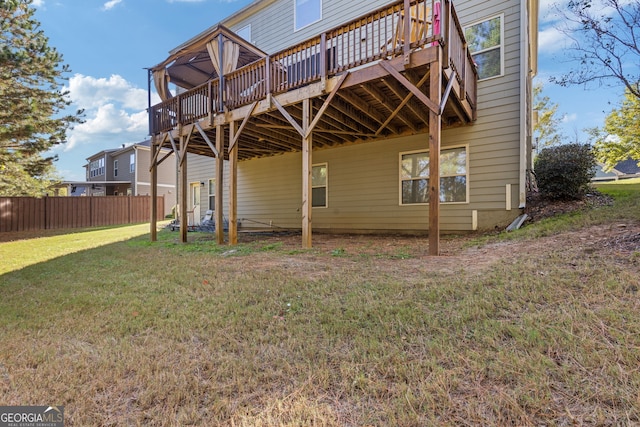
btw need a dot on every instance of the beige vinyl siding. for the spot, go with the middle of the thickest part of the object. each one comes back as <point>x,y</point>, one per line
<point>363,179</point>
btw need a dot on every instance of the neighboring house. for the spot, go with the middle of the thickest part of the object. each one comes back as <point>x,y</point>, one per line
<point>335,109</point>
<point>626,169</point>
<point>125,172</point>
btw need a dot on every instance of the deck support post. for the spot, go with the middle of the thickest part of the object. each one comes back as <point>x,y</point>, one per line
<point>182,164</point>
<point>307,148</point>
<point>435,128</point>
<point>153,231</point>
<point>233,187</point>
<point>218,190</point>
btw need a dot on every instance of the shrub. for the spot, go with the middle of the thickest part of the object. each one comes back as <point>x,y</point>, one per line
<point>565,171</point>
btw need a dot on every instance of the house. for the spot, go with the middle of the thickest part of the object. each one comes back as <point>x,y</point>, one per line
<point>125,172</point>
<point>623,170</point>
<point>380,116</point>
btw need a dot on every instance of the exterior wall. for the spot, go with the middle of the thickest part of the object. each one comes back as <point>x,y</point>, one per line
<point>363,189</point>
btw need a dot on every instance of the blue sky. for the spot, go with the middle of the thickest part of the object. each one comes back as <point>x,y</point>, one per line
<point>108,44</point>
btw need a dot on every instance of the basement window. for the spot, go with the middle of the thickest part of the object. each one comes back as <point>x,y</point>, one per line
<point>319,186</point>
<point>486,43</point>
<point>414,176</point>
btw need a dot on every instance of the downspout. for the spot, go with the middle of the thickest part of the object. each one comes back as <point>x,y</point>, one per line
<point>524,99</point>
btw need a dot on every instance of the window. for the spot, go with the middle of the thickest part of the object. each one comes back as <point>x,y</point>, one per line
<point>485,43</point>
<point>319,186</point>
<point>245,33</point>
<point>115,168</point>
<point>414,176</point>
<point>212,194</point>
<point>306,12</point>
<point>96,168</point>
<point>132,163</point>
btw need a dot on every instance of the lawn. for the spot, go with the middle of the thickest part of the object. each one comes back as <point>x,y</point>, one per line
<point>538,327</point>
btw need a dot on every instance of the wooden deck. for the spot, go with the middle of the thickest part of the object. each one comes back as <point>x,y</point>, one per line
<point>375,77</point>
<point>370,103</point>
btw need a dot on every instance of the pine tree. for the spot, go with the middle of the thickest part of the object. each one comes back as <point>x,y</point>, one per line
<point>32,104</point>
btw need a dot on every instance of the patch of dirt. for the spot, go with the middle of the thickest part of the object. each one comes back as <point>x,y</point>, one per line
<point>398,253</point>
<point>539,208</point>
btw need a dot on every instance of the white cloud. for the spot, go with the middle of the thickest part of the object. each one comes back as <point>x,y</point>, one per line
<point>115,112</point>
<point>111,4</point>
<point>551,39</point>
<point>568,118</point>
<point>38,3</point>
<point>89,92</point>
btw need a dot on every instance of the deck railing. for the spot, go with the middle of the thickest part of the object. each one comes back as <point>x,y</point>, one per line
<point>379,34</point>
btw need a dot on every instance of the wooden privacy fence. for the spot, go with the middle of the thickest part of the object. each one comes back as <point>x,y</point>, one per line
<point>30,213</point>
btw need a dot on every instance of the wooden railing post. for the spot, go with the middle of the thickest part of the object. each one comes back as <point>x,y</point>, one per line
<point>406,46</point>
<point>323,57</point>
<point>267,74</point>
<point>221,82</point>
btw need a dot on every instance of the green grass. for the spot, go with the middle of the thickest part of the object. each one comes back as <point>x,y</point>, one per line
<point>123,331</point>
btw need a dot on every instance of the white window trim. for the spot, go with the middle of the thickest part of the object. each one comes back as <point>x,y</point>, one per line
<point>295,18</point>
<point>248,26</point>
<point>501,16</point>
<point>466,149</point>
<point>325,186</point>
<point>210,194</point>
<point>115,168</point>
<point>132,165</point>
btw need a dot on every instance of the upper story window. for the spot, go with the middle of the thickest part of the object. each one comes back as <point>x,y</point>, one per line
<point>115,168</point>
<point>132,163</point>
<point>306,12</point>
<point>486,43</point>
<point>245,33</point>
<point>96,168</point>
<point>414,176</point>
<point>319,186</point>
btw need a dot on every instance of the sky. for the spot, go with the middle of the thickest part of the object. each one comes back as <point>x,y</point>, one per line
<point>108,45</point>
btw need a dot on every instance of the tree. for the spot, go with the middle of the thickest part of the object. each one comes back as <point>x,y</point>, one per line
<point>620,138</point>
<point>32,116</point>
<point>605,36</point>
<point>546,127</point>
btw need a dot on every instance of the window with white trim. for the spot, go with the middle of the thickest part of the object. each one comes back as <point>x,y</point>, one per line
<point>319,185</point>
<point>132,163</point>
<point>245,32</point>
<point>414,176</point>
<point>115,168</point>
<point>212,194</point>
<point>486,43</point>
<point>306,12</point>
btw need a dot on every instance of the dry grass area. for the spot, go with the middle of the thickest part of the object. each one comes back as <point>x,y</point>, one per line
<point>538,329</point>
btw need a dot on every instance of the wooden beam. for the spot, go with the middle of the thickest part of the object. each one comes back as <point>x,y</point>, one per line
<point>307,161</point>
<point>410,86</point>
<point>206,139</point>
<point>183,149</point>
<point>326,102</point>
<point>184,220</point>
<point>219,220</point>
<point>165,157</point>
<point>435,127</point>
<point>175,147</point>
<point>233,188</point>
<point>384,101</point>
<point>154,192</point>
<point>402,104</point>
<point>365,108</point>
<point>234,140</point>
<point>287,116</point>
